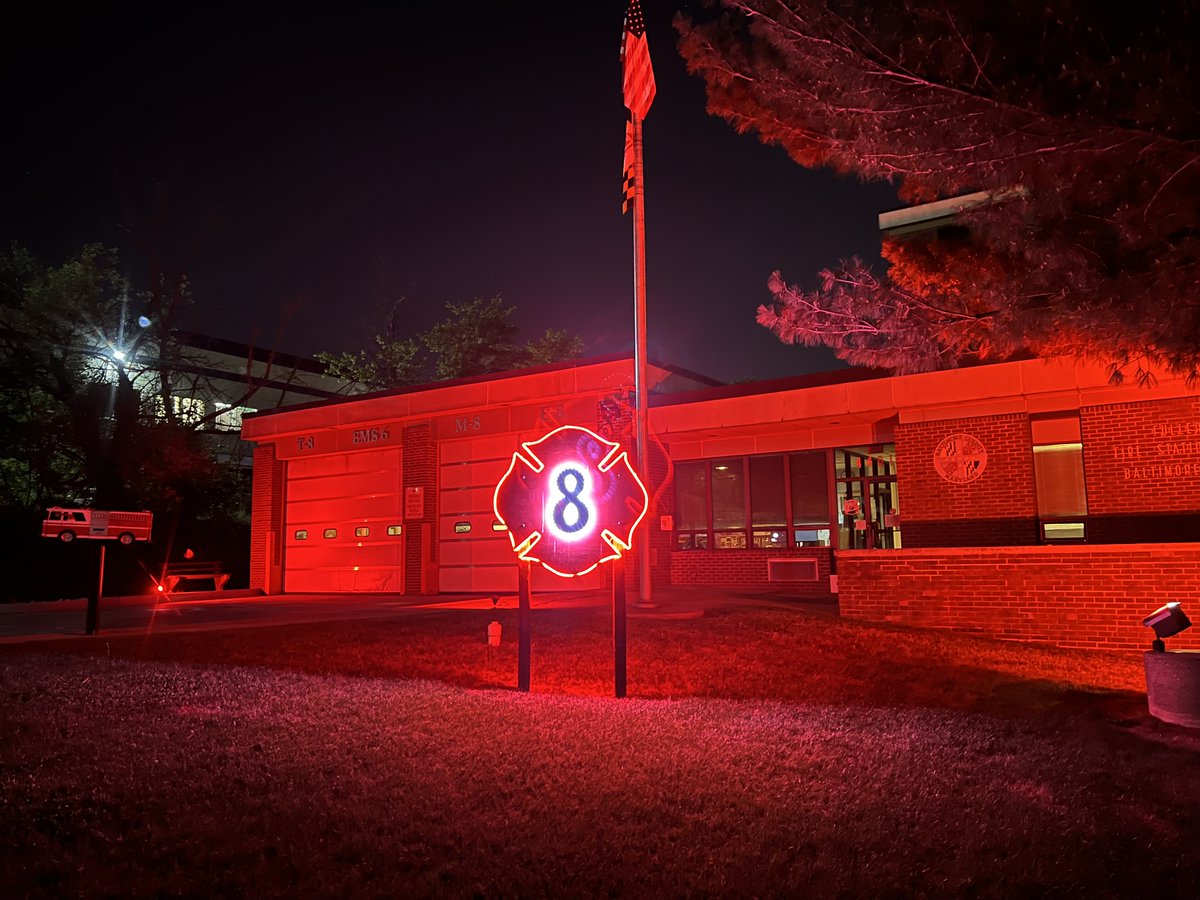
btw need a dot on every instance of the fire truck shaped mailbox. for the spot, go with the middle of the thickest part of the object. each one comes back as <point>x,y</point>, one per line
<point>67,524</point>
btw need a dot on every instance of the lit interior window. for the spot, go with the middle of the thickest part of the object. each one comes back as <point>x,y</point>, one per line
<point>1064,531</point>
<point>394,530</point>
<point>302,534</point>
<point>330,532</point>
<point>462,527</point>
<point>362,531</point>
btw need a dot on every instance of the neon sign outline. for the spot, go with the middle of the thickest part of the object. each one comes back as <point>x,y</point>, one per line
<point>609,465</point>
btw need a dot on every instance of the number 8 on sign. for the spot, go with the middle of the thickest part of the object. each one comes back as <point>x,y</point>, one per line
<point>567,512</point>
<point>570,501</point>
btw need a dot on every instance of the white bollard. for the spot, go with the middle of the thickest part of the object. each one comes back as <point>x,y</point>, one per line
<point>494,634</point>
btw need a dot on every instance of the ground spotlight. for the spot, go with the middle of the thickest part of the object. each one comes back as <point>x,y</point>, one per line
<point>1167,621</point>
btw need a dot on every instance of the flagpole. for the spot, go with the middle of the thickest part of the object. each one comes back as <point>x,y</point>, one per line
<point>641,385</point>
<point>637,90</point>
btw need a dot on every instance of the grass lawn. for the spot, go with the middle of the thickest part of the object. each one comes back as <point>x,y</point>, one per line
<point>763,752</point>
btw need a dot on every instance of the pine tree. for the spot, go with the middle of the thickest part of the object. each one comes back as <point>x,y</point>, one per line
<point>1079,121</point>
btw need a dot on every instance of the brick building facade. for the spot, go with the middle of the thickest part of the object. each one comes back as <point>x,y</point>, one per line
<point>1032,500</point>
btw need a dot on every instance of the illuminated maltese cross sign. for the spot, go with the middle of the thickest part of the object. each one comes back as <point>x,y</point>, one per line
<point>570,501</point>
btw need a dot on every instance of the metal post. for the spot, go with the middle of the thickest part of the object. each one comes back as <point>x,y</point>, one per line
<point>93,607</point>
<point>619,640</point>
<point>523,625</point>
<point>640,381</point>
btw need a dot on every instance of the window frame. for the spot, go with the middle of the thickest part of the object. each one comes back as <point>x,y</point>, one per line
<point>1044,520</point>
<point>708,538</point>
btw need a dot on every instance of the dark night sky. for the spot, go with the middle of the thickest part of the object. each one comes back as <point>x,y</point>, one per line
<point>302,167</point>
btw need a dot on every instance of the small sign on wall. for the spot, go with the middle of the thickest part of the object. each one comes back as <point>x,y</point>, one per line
<point>666,523</point>
<point>414,503</point>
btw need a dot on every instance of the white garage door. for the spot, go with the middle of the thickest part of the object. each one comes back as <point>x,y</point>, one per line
<point>472,557</point>
<point>344,528</point>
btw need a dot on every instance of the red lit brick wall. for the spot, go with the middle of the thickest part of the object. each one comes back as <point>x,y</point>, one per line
<point>419,462</point>
<point>1086,596</point>
<point>748,567</point>
<point>266,516</point>
<point>998,508</point>
<point>1142,457</point>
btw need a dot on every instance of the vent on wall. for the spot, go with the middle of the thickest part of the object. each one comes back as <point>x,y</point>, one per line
<point>792,570</point>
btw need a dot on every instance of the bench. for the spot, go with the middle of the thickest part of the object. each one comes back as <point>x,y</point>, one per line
<point>189,570</point>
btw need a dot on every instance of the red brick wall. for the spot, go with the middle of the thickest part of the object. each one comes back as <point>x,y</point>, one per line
<point>419,464</point>
<point>1087,596</point>
<point>266,517</point>
<point>1142,457</point>
<point>747,567</point>
<point>999,507</point>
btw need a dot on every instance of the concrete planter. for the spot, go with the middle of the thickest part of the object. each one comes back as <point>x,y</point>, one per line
<point>1173,686</point>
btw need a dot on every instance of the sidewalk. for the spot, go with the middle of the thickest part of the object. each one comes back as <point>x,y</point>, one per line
<point>205,611</point>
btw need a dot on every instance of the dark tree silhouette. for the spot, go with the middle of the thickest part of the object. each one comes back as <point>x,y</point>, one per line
<point>1079,123</point>
<point>475,338</point>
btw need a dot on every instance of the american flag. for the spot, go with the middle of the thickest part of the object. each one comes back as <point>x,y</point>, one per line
<point>635,62</point>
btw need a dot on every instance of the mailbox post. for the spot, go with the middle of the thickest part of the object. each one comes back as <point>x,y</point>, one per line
<point>67,524</point>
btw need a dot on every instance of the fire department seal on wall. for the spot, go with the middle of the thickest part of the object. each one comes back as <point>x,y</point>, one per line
<point>960,458</point>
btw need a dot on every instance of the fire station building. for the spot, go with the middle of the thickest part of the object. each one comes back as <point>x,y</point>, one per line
<point>1030,500</point>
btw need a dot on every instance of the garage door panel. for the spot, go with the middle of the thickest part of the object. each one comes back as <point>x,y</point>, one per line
<point>466,553</point>
<point>332,487</point>
<point>344,492</point>
<point>306,554</point>
<point>476,473</point>
<point>345,580</point>
<point>317,466</point>
<point>481,560</point>
<point>369,555</point>
<point>340,513</point>
<point>468,500</point>
<point>481,527</point>
<point>344,463</point>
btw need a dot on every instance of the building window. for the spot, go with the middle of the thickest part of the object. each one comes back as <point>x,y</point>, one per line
<point>187,410</point>
<point>394,530</point>
<point>1061,492</point>
<point>768,502</point>
<point>229,418</point>
<point>362,531</point>
<point>809,475</point>
<point>330,533</point>
<point>691,506</point>
<point>301,534</point>
<point>765,502</point>
<point>728,482</point>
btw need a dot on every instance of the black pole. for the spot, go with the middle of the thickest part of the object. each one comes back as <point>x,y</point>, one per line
<point>93,607</point>
<point>523,625</point>
<point>618,577</point>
